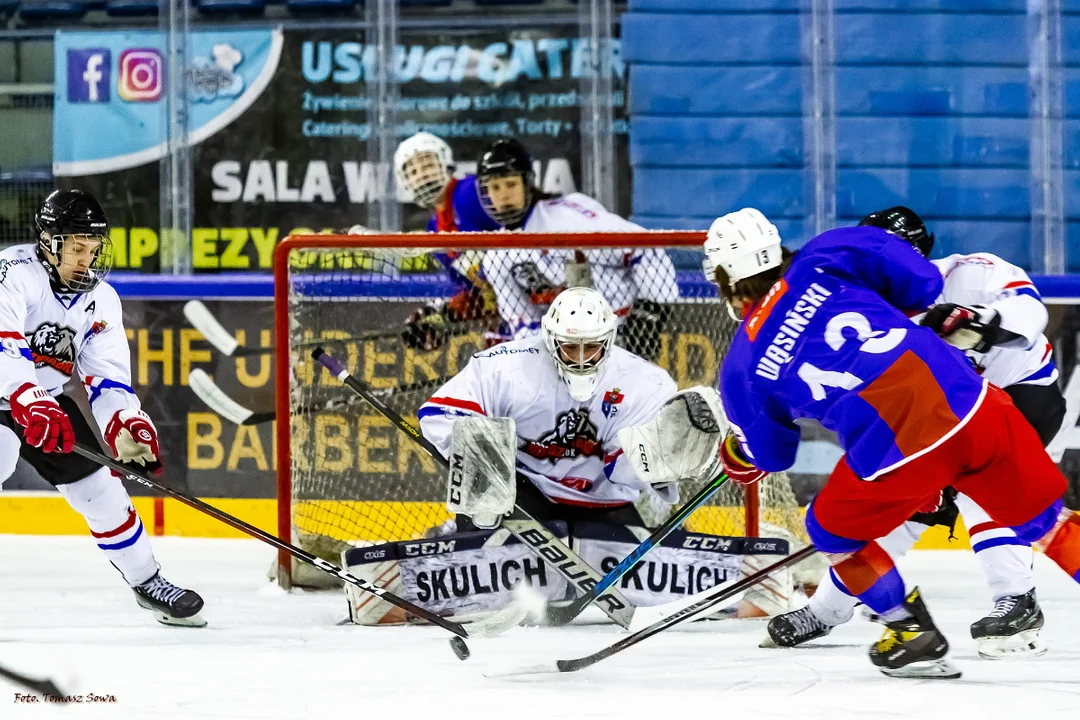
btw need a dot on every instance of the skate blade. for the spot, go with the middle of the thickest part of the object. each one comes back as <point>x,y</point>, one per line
<point>1020,646</point>
<point>195,620</point>
<point>925,670</point>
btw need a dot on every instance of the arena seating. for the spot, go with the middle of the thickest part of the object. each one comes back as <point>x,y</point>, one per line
<point>933,112</point>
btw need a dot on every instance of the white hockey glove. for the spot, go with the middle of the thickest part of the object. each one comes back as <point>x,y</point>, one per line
<point>483,474</point>
<point>132,437</point>
<point>682,442</point>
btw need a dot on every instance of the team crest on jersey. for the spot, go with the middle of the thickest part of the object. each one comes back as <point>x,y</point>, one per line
<point>611,399</point>
<point>574,436</point>
<point>53,345</point>
<point>98,327</point>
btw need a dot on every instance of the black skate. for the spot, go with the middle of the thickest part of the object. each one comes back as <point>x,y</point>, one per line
<point>794,628</point>
<point>1011,629</point>
<point>170,604</point>
<point>913,647</point>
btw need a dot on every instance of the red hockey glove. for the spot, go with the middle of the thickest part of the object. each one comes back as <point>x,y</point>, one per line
<point>45,425</point>
<point>739,470</point>
<point>133,438</point>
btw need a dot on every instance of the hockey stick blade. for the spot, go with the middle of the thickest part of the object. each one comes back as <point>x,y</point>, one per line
<point>272,540</point>
<point>42,686</point>
<point>541,541</point>
<point>216,399</point>
<point>204,321</point>
<point>563,615</point>
<point>685,614</point>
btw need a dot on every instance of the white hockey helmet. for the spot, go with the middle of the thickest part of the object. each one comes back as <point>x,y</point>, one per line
<point>422,165</point>
<point>579,331</point>
<point>743,243</point>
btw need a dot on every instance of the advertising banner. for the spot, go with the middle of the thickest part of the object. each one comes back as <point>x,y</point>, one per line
<point>280,123</point>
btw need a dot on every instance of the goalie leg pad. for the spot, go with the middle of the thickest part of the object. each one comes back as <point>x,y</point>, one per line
<point>682,442</point>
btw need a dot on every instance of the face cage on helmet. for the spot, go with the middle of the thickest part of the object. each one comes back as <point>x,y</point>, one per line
<point>506,218</point>
<point>95,273</point>
<point>574,348</point>
<point>429,181</point>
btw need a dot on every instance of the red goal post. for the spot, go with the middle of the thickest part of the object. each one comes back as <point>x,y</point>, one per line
<point>344,478</point>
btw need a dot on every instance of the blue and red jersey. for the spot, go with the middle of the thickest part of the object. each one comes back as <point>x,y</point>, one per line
<point>463,213</point>
<point>832,342</point>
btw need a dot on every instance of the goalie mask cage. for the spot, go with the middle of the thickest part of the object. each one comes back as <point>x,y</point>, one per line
<point>347,477</point>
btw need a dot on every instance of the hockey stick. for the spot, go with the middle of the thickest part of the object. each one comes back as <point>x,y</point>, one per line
<point>482,629</point>
<point>563,615</point>
<point>536,537</point>
<point>41,687</point>
<point>719,595</point>
<point>220,401</point>
<point>215,333</point>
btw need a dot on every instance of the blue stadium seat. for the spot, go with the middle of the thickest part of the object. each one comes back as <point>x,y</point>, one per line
<point>716,142</point>
<point>131,8</point>
<point>695,38</point>
<point>677,90</point>
<point>937,141</point>
<point>308,6</point>
<point>230,7</point>
<point>701,192</point>
<point>51,10</point>
<point>912,90</point>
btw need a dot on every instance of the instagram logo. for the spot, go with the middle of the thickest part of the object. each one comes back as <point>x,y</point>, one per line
<point>140,75</point>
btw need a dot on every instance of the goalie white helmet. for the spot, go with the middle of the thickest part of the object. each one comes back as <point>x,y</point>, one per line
<point>422,165</point>
<point>579,331</point>
<point>743,243</point>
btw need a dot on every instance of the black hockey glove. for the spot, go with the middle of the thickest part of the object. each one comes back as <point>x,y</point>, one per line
<point>642,328</point>
<point>426,328</point>
<point>974,328</point>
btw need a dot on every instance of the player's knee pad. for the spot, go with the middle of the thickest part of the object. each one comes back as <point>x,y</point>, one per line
<point>1033,530</point>
<point>9,452</point>
<point>100,498</point>
<point>826,541</point>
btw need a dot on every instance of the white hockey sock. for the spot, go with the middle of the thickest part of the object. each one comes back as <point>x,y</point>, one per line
<point>102,500</point>
<point>1006,560</point>
<point>833,604</point>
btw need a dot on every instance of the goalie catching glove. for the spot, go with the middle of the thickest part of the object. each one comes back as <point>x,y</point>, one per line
<point>132,437</point>
<point>483,469</point>
<point>682,442</point>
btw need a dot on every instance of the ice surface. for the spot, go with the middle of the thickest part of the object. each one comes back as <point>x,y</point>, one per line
<point>64,612</point>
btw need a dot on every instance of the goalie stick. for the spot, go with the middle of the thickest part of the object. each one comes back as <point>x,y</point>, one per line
<point>215,333</point>
<point>222,403</point>
<point>562,615</point>
<point>536,537</point>
<point>717,596</point>
<point>43,686</point>
<point>491,626</point>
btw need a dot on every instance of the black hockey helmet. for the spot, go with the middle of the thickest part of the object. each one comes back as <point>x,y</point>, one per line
<point>505,156</point>
<point>75,219</point>
<point>905,223</point>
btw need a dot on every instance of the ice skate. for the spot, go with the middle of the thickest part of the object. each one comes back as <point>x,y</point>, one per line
<point>913,647</point>
<point>1011,629</point>
<point>795,628</point>
<point>170,604</point>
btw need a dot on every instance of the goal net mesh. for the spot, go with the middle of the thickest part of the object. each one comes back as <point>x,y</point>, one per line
<point>349,477</point>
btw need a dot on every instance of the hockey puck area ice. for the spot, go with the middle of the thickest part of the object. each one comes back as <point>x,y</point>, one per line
<point>460,648</point>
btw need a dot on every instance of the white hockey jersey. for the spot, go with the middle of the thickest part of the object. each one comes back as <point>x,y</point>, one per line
<point>621,275</point>
<point>46,336</point>
<point>987,280</point>
<point>569,449</point>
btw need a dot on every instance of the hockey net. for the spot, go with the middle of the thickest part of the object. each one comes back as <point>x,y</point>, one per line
<point>347,477</point>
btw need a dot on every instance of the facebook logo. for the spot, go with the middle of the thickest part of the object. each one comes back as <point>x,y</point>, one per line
<point>88,75</point>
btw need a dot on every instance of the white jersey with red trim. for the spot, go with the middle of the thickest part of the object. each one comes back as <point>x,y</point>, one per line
<point>621,275</point>
<point>569,449</point>
<point>47,335</point>
<point>987,280</point>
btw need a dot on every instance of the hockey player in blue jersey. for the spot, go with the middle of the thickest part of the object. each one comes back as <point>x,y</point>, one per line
<point>825,336</point>
<point>424,165</point>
